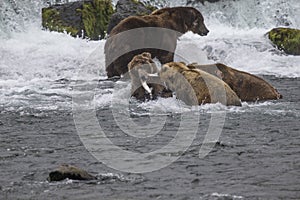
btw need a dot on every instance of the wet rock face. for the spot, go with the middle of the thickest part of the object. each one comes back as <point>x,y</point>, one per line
<point>190,2</point>
<point>126,8</point>
<point>63,18</point>
<point>70,172</point>
<point>286,39</point>
<point>88,18</point>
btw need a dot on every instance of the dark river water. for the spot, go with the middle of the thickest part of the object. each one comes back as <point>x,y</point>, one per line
<point>256,156</point>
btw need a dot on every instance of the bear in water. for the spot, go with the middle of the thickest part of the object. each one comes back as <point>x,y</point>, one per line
<point>248,87</point>
<point>145,83</point>
<point>196,87</point>
<point>172,23</point>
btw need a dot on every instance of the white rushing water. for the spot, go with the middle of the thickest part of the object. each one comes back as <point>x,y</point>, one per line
<point>38,68</point>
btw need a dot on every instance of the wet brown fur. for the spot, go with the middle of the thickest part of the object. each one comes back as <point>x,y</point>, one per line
<point>145,63</point>
<point>179,19</point>
<point>248,87</point>
<point>196,86</point>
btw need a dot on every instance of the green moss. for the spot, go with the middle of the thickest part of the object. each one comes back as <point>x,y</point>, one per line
<point>286,39</point>
<point>136,1</point>
<point>96,17</point>
<point>150,7</point>
<point>51,20</point>
<point>90,16</point>
<point>49,16</point>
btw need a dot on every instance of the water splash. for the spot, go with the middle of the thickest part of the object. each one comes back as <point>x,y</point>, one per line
<point>39,68</point>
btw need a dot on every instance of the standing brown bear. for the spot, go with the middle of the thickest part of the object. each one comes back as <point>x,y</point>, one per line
<point>156,33</point>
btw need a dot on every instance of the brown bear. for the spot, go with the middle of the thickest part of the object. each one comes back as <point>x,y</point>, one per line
<point>137,36</point>
<point>248,87</point>
<point>196,86</point>
<point>145,83</point>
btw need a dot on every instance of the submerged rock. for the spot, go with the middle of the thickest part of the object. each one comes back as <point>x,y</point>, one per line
<point>70,172</point>
<point>126,8</point>
<point>88,18</point>
<point>286,39</point>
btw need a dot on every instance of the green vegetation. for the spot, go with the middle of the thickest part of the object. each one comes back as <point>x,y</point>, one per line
<point>150,7</point>
<point>91,17</point>
<point>136,1</point>
<point>286,39</point>
<point>51,20</point>
<point>96,17</point>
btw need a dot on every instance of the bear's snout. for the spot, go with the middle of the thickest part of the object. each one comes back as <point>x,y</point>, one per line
<point>204,31</point>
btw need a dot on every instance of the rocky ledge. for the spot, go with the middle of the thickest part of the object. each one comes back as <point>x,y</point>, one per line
<point>88,18</point>
<point>91,19</point>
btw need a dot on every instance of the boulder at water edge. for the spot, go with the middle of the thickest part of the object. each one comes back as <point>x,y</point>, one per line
<point>286,39</point>
<point>70,172</point>
<point>88,18</point>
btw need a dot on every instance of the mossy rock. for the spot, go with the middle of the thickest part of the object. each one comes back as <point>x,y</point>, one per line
<point>286,39</point>
<point>51,19</point>
<point>191,2</point>
<point>87,18</point>
<point>96,16</point>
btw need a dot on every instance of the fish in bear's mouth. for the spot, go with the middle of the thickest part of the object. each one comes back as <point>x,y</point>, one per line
<point>144,76</point>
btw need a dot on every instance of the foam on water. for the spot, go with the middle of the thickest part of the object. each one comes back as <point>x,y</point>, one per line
<point>226,196</point>
<point>166,106</point>
<point>39,69</point>
<point>247,50</point>
<point>42,64</point>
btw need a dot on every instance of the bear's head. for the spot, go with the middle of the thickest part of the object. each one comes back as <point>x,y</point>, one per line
<point>141,64</point>
<point>171,74</point>
<point>141,70</point>
<point>194,22</point>
<point>190,19</point>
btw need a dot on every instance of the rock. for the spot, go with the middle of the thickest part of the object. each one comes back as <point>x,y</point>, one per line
<point>70,172</point>
<point>286,39</point>
<point>126,8</point>
<point>191,2</point>
<point>87,18</point>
